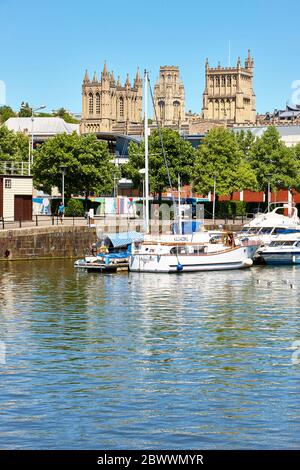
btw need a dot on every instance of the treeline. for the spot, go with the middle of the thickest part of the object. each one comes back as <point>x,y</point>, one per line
<point>25,110</point>
<point>235,161</point>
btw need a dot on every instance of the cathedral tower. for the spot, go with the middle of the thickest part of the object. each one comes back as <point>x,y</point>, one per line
<point>229,94</point>
<point>108,106</point>
<point>169,97</point>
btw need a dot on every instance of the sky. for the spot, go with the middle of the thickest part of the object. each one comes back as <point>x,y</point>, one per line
<point>47,45</point>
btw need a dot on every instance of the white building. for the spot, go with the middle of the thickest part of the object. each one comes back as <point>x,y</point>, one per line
<point>289,134</point>
<point>15,191</point>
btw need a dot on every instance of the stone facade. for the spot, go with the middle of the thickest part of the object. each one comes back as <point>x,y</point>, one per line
<point>108,106</point>
<point>169,98</point>
<point>229,94</point>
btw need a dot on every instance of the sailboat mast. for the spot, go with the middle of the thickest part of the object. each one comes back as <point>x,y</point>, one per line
<point>146,151</point>
<point>179,206</point>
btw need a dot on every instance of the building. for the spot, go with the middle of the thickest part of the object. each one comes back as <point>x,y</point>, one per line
<point>15,191</point>
<point>289,134</point>
<point>169,98</point>
<point>41,128</point>
<point>228,94</point>
<point>109,106</point>
<point>289,115</point>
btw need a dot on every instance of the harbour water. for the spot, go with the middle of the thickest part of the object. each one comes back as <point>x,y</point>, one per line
<point>192,361</point>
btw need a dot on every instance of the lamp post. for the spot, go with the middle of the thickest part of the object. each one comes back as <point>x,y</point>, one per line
<point>33,110</point>
<point>63,172</point>
<point>142,172</point>
<point>269,192</point>
<point>214,197</point>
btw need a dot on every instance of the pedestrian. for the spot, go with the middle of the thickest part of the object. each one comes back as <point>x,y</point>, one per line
<point>61,211</point>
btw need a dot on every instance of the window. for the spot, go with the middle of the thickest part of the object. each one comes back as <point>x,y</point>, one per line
<point>217,81</point>
<point>176,106</point>
<point>98,104</point>
<point>161,107</point>
<point>223,81</point>
<point>91,103</point>
<point>229,81</point>
<point>8,184</point>
<point>121,104</point>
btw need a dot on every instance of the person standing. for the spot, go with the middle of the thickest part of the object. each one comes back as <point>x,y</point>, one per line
<point>61,211</point>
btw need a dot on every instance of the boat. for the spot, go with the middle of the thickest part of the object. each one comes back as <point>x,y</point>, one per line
<point>177,255</point>
<point>111,253</point>
<point>284,250</point>
<point>266,227</point>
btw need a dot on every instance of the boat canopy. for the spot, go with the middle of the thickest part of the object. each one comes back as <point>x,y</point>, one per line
<point>118,240</point>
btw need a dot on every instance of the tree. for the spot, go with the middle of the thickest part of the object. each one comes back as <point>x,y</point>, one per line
<point>220,157</point>
<point>180,157</point>
<point>245,140</point>
<point>272,161</point>
<point>62,113</point>
<point>88,167</point>
<point>13,145</point>
<point>25,110</point>
<point>6,112</point>
<point>74,208</point>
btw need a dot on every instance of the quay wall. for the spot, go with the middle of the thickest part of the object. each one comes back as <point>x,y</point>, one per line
<point>46,242</point>
<point>60,241</point>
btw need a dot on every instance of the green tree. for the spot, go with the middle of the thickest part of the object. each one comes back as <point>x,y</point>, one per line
<point>180,157</point>
<point>25,110</point>
<point>245,140</point>
<point>6,112</point>
<point>62,113</point>
<point>87,162</point>
<point>220,157</point>
<point>13,145</point>
<point>273,161</point>
<point>74,208</point>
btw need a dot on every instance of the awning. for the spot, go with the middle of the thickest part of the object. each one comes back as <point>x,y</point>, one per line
<point>122,239</point>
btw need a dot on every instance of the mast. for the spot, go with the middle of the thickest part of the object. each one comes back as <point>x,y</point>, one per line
<point>146,152</point>
<point>179,207</point>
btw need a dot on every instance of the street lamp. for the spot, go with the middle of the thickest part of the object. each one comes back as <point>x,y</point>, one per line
<point>63,172</point>
<point>142,172</point>
<point>33,110</point>
<point>269,195</point>
<point>214,197</point>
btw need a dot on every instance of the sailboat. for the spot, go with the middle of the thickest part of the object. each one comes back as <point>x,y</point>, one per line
<point>182,253</point>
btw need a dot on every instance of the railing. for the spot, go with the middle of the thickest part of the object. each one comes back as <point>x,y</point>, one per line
<point>15,168</point>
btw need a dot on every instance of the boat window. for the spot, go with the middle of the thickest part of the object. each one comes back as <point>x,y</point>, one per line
<point>289,243</point>
<point>266,230</point>
<point>253,230</point>
<point>297,244</point>
<point>198,249</point>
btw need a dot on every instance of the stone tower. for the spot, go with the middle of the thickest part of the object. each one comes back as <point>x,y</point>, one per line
<point>109,106</point>
<point>169,97</point>
<point>229,94</point>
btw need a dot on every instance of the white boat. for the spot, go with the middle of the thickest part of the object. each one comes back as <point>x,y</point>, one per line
<point>175,255</point>
<point>284,250</point>
<point>269,226</point>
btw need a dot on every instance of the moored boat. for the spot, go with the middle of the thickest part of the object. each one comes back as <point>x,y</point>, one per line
<point>284,250</point>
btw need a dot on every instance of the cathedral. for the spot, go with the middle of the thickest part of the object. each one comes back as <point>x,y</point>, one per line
<point>229,94</point>
<point>109,106</point>
<point>169,98</point>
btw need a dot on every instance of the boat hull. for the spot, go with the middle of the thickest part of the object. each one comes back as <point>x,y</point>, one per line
<point>281,257</point>
<point>237,258</point>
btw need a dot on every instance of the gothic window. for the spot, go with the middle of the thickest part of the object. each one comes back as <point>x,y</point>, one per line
<point>91,103</point>
<point>121,104</point>
<point>161,107</point>
<point>217,81</point>
<point>98,104</point>
<point>229,81</point>
<point>211,82</point>
<point>176,106</point>
<point>223,81</point>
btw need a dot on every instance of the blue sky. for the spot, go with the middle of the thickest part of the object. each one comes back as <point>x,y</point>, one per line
<point>46,46</point>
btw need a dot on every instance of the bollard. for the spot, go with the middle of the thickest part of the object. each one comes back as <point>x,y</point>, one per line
<point>36,221</point>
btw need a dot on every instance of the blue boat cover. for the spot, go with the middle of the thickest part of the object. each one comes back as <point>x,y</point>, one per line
<point>123,238</point>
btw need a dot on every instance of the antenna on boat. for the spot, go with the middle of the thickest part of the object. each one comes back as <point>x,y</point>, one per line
<point>146,134</point>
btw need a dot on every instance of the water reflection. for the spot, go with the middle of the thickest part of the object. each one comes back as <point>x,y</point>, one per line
<point>160,361</point>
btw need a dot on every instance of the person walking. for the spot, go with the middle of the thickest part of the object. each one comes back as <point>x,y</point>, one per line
<point>61,211</point>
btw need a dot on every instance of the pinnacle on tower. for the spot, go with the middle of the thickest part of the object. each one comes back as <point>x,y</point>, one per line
<point>86,77</point>
<point>127,83</point>
<point>206,63</point>
<point>239,62</point>
<point>105,72</point>
<point>112,79</point>
<point>119,84</point>
<point>138,79</point>
<point>95,79</point>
